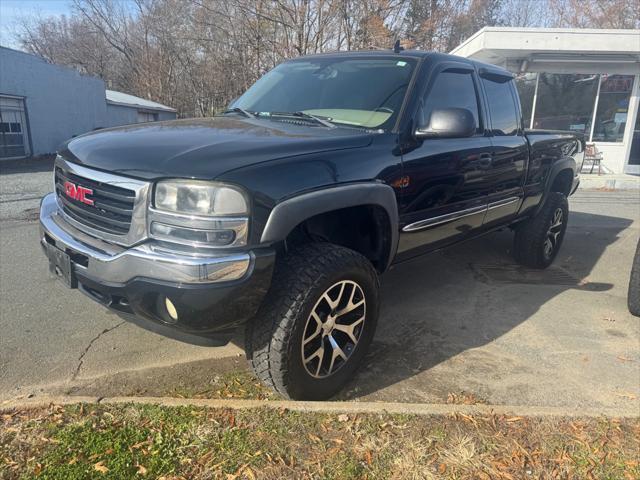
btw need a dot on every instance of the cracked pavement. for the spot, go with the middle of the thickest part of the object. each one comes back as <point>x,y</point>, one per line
<point>50,335</point>
<point>460,320</point>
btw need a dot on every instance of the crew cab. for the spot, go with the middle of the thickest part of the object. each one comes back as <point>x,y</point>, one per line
<point>280,215</point>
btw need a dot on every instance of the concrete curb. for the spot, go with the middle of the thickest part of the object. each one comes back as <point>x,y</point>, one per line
<point>609,182</point>
<point>329,407</point>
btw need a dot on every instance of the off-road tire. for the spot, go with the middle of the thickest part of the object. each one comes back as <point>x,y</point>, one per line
<point>274,336</point>
<point>633,296</point>
<point>531,235</point>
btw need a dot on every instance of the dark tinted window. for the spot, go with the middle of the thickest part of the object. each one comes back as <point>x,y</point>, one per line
<point>502,107</point>
<point>451,90</point>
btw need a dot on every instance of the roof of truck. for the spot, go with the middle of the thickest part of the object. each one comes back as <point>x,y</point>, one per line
<point>405,53</point>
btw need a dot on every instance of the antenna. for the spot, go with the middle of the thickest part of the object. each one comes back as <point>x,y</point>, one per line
<point>396,47</point>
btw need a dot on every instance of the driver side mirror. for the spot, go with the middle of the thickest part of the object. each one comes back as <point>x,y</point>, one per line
<point>448,123</point>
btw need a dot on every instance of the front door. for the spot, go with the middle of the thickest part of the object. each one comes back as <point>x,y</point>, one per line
<point>445,184</point>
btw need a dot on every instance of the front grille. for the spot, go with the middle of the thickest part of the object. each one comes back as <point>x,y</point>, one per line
<point>112,207</point>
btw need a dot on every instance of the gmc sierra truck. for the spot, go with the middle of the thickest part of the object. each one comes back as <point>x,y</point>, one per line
<point>280,215</point>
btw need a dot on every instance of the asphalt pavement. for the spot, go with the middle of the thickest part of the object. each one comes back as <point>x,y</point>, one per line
<point>460,323</point>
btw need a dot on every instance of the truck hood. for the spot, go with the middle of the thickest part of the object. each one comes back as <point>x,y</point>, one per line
<point>203,148</point>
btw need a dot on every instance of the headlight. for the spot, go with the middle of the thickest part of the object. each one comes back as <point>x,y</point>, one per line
<point>194,197</point>
<point>199,214</point>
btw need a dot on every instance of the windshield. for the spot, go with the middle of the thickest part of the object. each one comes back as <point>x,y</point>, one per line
<point>362,92</point>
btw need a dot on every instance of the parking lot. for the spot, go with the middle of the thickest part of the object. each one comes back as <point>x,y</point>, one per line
<point>465,322</point>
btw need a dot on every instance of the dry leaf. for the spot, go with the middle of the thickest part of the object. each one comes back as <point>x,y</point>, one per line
<point>368,457</point>
<point>343,417</point>
<point>514,419</point>
<point>630,396</point>
<point>142,470</point>
<point>625,359</point>
<point>99,467</point>
<point>442,468</point>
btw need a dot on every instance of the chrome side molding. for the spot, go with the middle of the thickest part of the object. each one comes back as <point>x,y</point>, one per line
<point>450,217</point>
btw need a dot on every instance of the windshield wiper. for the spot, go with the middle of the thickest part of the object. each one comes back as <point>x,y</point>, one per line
<point>240,110</point>
<point>306,116</point>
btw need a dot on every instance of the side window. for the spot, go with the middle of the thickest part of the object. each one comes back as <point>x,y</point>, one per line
<point>452,89</point>
<point>502,106</point>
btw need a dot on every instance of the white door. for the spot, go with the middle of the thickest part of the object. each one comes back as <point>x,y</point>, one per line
<point>14,142</point>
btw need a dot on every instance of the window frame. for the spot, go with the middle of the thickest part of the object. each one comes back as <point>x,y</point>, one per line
<point>597,105</point>
<point>485,74</point>
<point>461,67</point>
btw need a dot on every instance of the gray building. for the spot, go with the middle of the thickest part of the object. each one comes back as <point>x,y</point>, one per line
<point>42,105</point>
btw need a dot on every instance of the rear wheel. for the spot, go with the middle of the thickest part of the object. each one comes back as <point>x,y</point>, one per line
<point>538,239</point>
<point>317,322</point>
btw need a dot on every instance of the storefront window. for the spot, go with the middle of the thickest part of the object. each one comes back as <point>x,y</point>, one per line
<point>526,85</point>
<point>565,102</point>
<point>613,105</point>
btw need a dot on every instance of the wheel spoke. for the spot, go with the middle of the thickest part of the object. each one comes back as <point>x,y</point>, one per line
<point>557,220</point>
<point>317,331</point>
<point>334,303</point>
<point>319,353</point>
<point>337,352</point>
<point>349,329</point>
<point>350,307</point>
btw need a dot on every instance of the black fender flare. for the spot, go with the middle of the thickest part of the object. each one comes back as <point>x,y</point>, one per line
<point>289,213</point>
<point>565,163</point>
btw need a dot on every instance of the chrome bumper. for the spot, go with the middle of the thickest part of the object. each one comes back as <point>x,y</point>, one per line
<point>111,264</point>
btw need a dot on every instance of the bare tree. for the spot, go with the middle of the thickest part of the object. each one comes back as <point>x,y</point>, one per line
<point>197,55</point>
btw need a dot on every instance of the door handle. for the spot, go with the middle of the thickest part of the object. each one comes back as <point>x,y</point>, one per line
<point>484,160</point>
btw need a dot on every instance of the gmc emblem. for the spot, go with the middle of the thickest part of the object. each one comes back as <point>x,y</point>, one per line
<point>78,192</point>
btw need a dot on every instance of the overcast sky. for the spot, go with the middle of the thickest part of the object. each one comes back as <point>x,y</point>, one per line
<point>11,10</point>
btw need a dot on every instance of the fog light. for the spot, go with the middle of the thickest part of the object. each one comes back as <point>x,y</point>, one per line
<point>171,309</point>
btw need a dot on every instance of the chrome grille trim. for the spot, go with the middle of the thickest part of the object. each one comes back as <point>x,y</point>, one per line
<point>136,231</point>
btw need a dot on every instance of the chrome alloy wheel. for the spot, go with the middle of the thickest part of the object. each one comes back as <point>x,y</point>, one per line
<point>333,329</point>
<point>553,233</point>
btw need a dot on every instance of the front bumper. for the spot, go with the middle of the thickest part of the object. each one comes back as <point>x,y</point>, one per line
<point>212,294</point>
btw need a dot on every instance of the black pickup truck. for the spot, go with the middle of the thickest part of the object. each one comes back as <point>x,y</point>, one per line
<point>281,214</point>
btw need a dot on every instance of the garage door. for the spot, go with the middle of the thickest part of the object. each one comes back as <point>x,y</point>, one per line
<point>13,128</point>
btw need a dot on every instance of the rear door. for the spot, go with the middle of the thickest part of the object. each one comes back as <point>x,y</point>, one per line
<point>445,193</point>
<point>510,149</point>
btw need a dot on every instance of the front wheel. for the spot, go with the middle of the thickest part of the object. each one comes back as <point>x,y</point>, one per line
<point>317,321</point>
<point>538,239</point>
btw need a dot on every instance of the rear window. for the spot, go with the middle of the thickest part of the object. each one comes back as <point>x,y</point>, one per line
<point>502,106</point>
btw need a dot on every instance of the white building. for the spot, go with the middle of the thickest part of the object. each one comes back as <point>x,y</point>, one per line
<point>573,79</point>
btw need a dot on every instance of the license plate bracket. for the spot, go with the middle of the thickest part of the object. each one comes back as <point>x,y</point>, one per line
<point>61,266</point>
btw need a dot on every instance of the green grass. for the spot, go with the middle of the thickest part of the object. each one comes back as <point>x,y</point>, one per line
<point>143,441</point>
